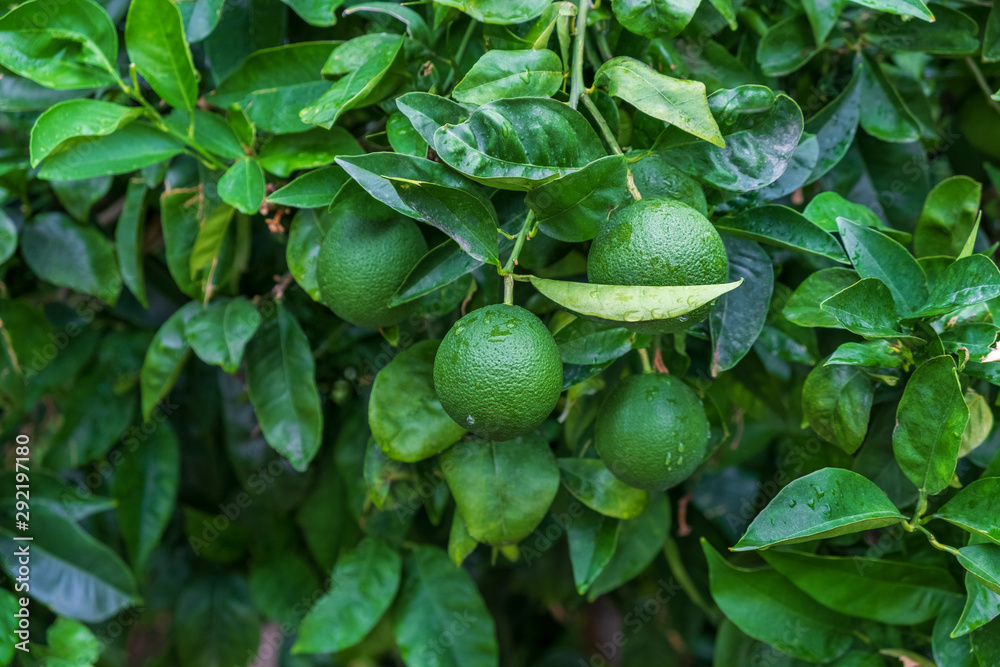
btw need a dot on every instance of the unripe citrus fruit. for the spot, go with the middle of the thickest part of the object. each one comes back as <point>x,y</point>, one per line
<point>658,242</point>
<point>362,263</point>
<point>498,372</point>
<point>651,431</point>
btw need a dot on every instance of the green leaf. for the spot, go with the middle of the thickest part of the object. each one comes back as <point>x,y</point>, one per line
<point>836,402</point>
<point>439,267</point>
<point>981,606</point>
<point>991,37</point>
<point>212,230</point>
<point>304,240</point>
<point>951,34</point>
<point>59,127</point>
<point>437,599</point>
<point>282,386</point>
<point>573,207</point>
<point>948,217</point>
<point>656,176</point>
<point>876,354</point>
<point>429,112</point>
<point>825,503</point>
<point>75,46</point>
<point>653,18</point>
<point>363,585</point>
<point>54,495</point>
<point>71,642</point>
<point>786,47</point>
<point>287,153</point>
<point>783,227</point>
<point>79,197</point>
<point>219,333</point>
<point>914,8</point>
<point>416,27</point>
<point>977,338</point>
<point>519,143</point>
<point>593,538</point>
<point>884,591</point>
<point>502,12</point>
<point>628,303</point>
<point>8,238</point>
<point>460,543</point>
<point>200,17</point>
<point>501,74</point>
<point>242,186</point>
<point>681,103</point>
<point>875,255</point>
<point>375,79</point>
<point>273,85</point>
<point>763,605</point>
<point>502,489</point>
<point>866,308</point>
<point>965,282</point>
<point>211,131</point>
<point>403,137</point>
<point>590,481</point>
<point>165,358</point>
<point>822,15</point>
<point>835,126</point>
<point>320,13</point>
<point>217,623</point>
<point>404,413</point>
<point>132,147</point>
<point>279,584</point>
<point>884,115</point>
<point>929,422</point>
<point>803,307</point>
<point>761,132</point>
<point>826,207</point>
<point>640,540</point>
<point>970,508</point>
<point>737,318</point>
<point>587,343</point>
<point>352,54</point>
<point>980,423</point>
<point>313,189</point>
<point>951,651</point>
<point>145,486</point>
<point>983,562</point>
<point>63,253</point>
<point>71,572</point>
<point>155,41</point>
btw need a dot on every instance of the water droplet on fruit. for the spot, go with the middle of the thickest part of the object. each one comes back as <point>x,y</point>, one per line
<point>470,420</point>
<point>680,448</point>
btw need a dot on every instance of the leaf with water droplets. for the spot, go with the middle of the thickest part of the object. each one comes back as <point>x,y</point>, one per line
<point>826,503</point>
<point>630,303</point>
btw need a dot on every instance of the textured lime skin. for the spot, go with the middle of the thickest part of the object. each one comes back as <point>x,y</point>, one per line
<point>362,263</point>
<point>651,431</point>
<point>658,242</point>
<point>498,372</point>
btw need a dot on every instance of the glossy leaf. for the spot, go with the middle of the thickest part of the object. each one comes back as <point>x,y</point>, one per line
<point>282,388</point>
<point>884,591</point>
<point>502,489</point>
<point>681,103</point>
<point>782,227</point>
<point>130,233</point>
<point>439,267</point>
<point>763,605</point>
<point>982,605</point>
<point>403,137</point>
<point>501,74</point>
<point>435,595</point>
<point>320,13</point>
<point>219,333</point>
<point>592,539</point>
<point>416,27</point>
<point>404,412</point>
<point>825,503</point>
<point>211,131</point>
<point>737,318</point>
<point>590,481</point>
<point>145,486</point>
<point>929,422</point>
<point>948,217</point>
<point>836,402</point>
<point>132,147</point>
<point>982,561</point>
<point>63,253</point>
<point>626,303</point>
<point>969,509</point>
<point>165,358</point>
<point>179,211</point>
<point>785,47</point>
<point>429,112</point>
<point>876,354</point>
<point>304,240</point>
<point>313,189</point>
<point>835,126</point>
<point>242,186</point>
<point>509,143</point>
<point>573,207</point>
<point>914,8</point>
<point>74,47</point>
<point>586,342</point>
<point>287,153</point>
<point>826,207</point>
<point>804,306</point>
<point>875,255</point>
<point>155,41</point>
<point>884,114</point>
<point>500,12</point>
<point>58,127</point>
<point>965,282</point>
<point>652,18</point>
<point>200,17</point>
<point>865,308</point>
<point>363,585</point>
<point>952,33</point>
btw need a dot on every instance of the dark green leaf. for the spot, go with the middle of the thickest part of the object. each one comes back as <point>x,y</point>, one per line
<point>952,33</point>
<point>652,18</point>
<point>429,112</point>
<point>439,267</point>
<point>282,386</point>
<point>165,358</point>
<point>901,7</point>
<point>825,503</point>
<point>785,47</point>
<point>970,508</point>
<point>929,422</point>
<point>242,186</point>
<point>304,241</point>
<point>837,401</point>
<point>8,238</point>
<point>501,74</point>
<point>640,540</point>
<point>179,217</point>
<point>737,318</point>
<point>983,562</point>
<point>217,623</point>
<point>460,543</point>
<point>502,489</point>
<point>875,255</point>
<point>590,481</point>
<point>403,137</point>
<point>866,308</point>
<point>363,585</point>
<point>155,41</point>
<point>884,114</point>
<point>965,282</point>
<point>573,207</point>
<point>416,27</point>
<point>313,189</point>
<point>835,126</point>
<point>949,651</point>
<point>61,124</point>
<point>586,342</point>
<point>876,354</point>
<point>132,147</point>
<point>64,253</point>
<point>592,538</point>
<point>948,217</point>
<point>822,15</point>
<point>783,227</point>
<point>200,17</point>
<point>981,606</point>
<point>219,333</point>
<point>803,308</point>
<point>500,12</point>
<point>317,148</point>
<point>316,12</point>
<point>404,412</point>
<point>79,197</point>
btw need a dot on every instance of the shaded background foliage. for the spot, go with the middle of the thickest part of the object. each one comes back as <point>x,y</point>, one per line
<point>206,483</point>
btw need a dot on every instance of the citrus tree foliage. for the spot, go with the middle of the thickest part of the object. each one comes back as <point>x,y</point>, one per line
<point>221,467</point>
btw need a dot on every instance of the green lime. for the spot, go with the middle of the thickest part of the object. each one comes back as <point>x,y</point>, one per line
<point>498,372</point>
<point>658,242</point>
<point>362,263</point>
<point>651,431</point>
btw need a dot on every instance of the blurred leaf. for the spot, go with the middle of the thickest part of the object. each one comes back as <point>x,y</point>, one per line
<point>242,186</point>
<point>63,253</point>
<point>835,126</point>
<point>316,12</point>
<point>165,358</point>
<point>884,114</point>
<point>952,33</point>
<point>640,540</point>
<point>131,147</point>
<point>593,538</point>
<point>130,233</point>
<point>501,12</point>
<point>785,47</point>
<point>651,18</point>
<point>217,623</point>
<point>219,333</point>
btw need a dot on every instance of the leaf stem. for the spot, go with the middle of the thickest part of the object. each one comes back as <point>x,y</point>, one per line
<point>682,577</point>
<point>518,244</point>
<point>576,76</point>
<point>644,357</point>
<point>462,46</point>
<point>934,543</point>
<point>983,85</point>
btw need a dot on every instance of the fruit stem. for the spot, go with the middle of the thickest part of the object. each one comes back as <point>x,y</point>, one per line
<point>644,356</point>
<point>681,576</point>
<point>518,244</point>
<point>576,76</point>
<point>508,289</point>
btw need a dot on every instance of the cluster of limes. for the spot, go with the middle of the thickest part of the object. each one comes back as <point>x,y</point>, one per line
<point>498,372</point>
